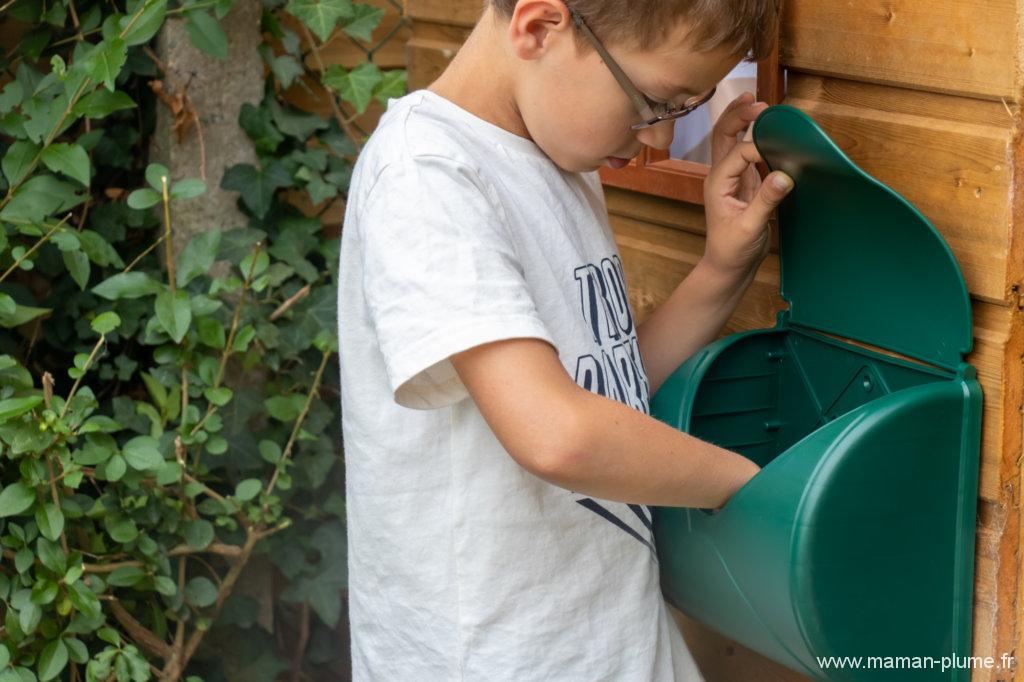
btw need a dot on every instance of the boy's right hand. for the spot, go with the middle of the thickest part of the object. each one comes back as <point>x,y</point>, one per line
<point>737,204</point>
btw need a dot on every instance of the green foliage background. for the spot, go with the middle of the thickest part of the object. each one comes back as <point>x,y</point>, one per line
<point>165,420</point>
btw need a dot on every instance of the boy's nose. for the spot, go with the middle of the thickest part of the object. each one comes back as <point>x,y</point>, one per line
<point>658,136</point>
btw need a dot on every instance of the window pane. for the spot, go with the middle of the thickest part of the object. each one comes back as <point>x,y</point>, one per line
<point>692,132</point>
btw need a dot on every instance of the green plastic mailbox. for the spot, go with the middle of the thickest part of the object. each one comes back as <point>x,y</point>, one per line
<point>857,537</point>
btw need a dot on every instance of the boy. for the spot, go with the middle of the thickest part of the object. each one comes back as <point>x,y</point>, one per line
<point>495,389</point>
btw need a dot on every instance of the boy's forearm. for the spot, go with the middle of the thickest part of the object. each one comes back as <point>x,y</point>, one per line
<point>689,319</point>
<point>625,455</point>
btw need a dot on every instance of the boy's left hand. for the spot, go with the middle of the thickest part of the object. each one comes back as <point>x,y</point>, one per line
<point>736,202</point>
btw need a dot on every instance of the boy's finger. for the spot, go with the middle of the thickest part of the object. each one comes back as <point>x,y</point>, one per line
<point>734,120</point>
<point>771,193</point>
<point>731,168</point>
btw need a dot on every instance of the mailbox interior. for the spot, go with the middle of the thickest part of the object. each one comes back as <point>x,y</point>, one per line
<point>769,390</point>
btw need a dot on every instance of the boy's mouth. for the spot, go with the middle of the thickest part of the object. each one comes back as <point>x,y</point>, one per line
<point>617,162</point>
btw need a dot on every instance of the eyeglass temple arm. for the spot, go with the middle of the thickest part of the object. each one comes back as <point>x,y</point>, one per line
<point>638,99</point>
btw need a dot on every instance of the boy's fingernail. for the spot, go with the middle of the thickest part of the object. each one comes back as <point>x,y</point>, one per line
<point>782,181</point>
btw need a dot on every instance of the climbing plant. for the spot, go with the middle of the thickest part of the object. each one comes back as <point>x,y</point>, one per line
<point>169,417</point>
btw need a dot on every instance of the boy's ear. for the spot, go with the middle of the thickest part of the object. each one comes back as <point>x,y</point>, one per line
<point>533,24</point>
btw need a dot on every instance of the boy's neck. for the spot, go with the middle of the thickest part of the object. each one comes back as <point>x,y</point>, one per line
<point>472,82</point>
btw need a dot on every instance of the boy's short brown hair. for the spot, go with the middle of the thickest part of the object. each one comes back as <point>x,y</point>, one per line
<point>747,26</point>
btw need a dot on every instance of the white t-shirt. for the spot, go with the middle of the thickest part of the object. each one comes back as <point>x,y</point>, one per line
<point>463,565</point>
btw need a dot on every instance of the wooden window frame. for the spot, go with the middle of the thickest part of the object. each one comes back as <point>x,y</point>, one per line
<point>653,172</point>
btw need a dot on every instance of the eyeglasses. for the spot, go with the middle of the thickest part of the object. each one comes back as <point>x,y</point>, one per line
<point>650,111</point>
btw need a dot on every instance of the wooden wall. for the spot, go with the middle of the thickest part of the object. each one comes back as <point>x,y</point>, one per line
<point>924,95</point>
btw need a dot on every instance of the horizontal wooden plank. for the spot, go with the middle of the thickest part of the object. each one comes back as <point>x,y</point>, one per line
<point>964,47</point>
<point>426,59</point>
<point>948,156</point>
<point>394,30</point>
<point>455,12</point>
<point>656,258</point>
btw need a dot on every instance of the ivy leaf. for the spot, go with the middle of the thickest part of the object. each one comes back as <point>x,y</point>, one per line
<point>69,159</point>
<point>174,313</point>
<point>105,62</point>
<point>256,187</point>
<point>285,67</point>
<point>127,285</point>
<point>392,84</point>
<point>101,103</point>
<point>18,159</point>
<point>320,191</point>
<point>366,18</point>
<point>206,34</point>
<point>53,660</point>
<point>197,257</point>
<point>291,121</point>
<point>321,16</point>
<point>12,407</point>
<point>355,86</point>
<point>16,498</point>
<point>258,125</point>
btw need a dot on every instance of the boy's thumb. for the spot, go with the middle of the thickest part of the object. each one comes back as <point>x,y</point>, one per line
<point>769,195</point>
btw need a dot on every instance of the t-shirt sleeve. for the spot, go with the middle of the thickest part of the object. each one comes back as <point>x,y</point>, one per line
<point>440,276</point>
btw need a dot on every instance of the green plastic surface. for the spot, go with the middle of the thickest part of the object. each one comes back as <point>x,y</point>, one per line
<point>890,279</point>
<point>857,537</point>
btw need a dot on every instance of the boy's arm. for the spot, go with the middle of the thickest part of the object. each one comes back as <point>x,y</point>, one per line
<point>587,443</point>
<point>737,206</point>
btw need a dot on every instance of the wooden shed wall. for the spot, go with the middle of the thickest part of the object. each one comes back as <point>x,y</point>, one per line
<point>924,95</point>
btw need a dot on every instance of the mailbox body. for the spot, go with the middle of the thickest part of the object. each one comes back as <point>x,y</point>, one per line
<point>857,537</point>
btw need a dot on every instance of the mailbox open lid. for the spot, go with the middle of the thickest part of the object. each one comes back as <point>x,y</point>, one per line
<point>857,260</point>
<point>857,536</point>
